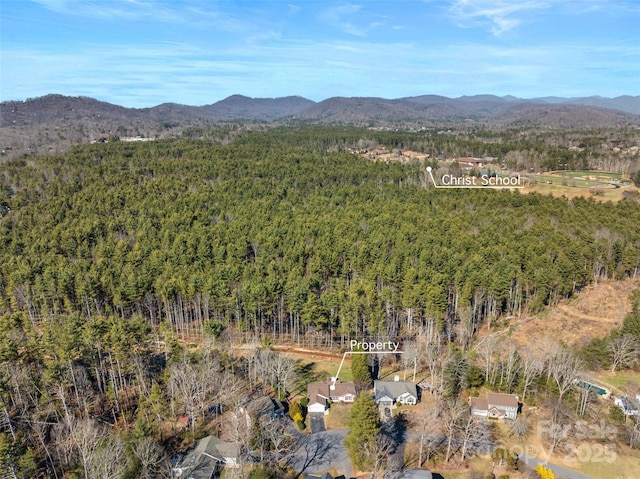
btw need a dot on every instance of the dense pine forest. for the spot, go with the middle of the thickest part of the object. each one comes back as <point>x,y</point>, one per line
<point>111,253</point>
<point>274,234</point>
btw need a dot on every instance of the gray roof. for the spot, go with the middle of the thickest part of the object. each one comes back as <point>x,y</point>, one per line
<point>203,459</point>
<point>394,389</point>
<point>326,475</point>
<point>416,474</point>
<point>264,405</point>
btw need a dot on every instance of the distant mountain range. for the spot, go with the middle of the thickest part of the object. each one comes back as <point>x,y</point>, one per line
<point>52,123</point>
<point>491,108</point>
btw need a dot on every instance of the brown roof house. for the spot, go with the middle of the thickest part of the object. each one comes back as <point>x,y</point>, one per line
<point>321,393</point>
<point>496,405</point>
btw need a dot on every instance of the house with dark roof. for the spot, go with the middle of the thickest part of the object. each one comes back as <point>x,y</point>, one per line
<point>416,474</point>
<point>208,457</point>
<point>264,408</point>
<point>388,393</point>
<point>326,475</point>
<point>320,393</point>
<point>628,405</point>
<point>495,405</point>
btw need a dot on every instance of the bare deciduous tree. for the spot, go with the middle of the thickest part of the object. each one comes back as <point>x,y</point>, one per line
<point>410,358</point>
<point>624,351</point>
<point>520,428</point>
<point>634,434</point>
<point>564,368</point>
<point>454,412</point>
<point>486,349</point>
<point>150,455</point>
<point>85,435</point>
<point>532,366</point>
<point>472,430</point>
<point>430,438</point>
<point>193,384</point>
<point>509,367</point>
<point>108,459</point>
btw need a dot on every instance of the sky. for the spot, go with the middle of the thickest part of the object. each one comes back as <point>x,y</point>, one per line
<point>140,53</point>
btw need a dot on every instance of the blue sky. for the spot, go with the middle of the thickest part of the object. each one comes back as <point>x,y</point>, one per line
<point>140,53</point>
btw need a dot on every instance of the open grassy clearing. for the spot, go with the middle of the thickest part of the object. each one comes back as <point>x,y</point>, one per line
<point>625,381</point>
<point>604,193</point>
<point>625,466</point>
<point>594,174</point>
<point>601,185</point>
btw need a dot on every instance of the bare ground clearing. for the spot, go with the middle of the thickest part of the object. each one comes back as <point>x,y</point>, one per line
<point>591,313</point>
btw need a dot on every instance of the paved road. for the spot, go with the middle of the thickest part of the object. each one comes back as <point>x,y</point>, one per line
<point>317,422</point>
<point>321,451</point>
<point>559,471</point>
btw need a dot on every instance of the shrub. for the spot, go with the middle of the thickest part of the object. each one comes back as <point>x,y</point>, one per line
<point>616,414</point>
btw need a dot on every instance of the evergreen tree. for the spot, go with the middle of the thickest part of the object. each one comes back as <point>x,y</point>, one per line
<point>361,371</point>
<point>362,438</point>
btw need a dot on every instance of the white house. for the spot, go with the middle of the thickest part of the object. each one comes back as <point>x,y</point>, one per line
<point>388,393</point>
<point>496,405</point>
<point>628,405</point>
<point>321,393</point>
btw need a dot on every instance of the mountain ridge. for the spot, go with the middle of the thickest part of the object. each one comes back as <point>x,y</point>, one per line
<point>51,123</point>
<point>240,107</point>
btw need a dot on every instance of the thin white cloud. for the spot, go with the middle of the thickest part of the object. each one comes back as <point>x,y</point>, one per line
<point>352,19</point>
<point>192,75</point>
<point>115,9</point>
<point>499,16</point>
<point>341,17</point>
<point>277,58</point>
<point>195,14</point>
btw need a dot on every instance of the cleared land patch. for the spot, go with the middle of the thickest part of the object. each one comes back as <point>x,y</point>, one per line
<point>592,313</point>
<point>601,185</point>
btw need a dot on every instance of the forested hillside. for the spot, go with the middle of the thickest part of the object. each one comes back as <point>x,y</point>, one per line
<point>274,234</point>
<point>111,253</point>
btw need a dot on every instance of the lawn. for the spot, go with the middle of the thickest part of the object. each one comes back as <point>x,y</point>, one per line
<point>338,416</point>
<point>606,175</point>
<point>605,193</point>
<point>624,466</point>
<point>619,379</point>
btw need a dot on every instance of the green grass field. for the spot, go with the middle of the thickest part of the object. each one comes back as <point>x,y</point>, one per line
<point>598,175</point>
<point>619,379</point>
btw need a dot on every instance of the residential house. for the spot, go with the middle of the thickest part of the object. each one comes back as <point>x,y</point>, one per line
<point>388,393</point>
<point>416,474</point>
<point>496,405</point>
<point>468,163</point>
<point>628,405</point>
<point>321,393</point>
<point>318,394</point>
<point>264,408</point>
<point>208,457</point>
<point>326,475</point>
